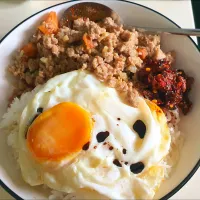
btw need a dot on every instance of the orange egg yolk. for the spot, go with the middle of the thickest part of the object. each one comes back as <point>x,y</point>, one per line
<point>59,132</point>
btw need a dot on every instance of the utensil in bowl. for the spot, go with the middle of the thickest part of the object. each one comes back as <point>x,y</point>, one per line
<point>96,12</point>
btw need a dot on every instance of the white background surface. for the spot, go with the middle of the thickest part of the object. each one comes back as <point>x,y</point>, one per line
<point>13,12</point>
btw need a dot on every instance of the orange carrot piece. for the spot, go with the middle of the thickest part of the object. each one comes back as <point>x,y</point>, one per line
<point>142,53</point>
<point>88,42</point>
<point>29,50</point>
<point>50,24</point>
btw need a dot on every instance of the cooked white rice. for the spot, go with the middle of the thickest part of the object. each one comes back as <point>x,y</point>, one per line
<point>11,119</point>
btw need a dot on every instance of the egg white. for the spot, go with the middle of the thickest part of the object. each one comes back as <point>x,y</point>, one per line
<point>92,173</point>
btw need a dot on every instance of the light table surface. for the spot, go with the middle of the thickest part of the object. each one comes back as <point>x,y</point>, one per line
<point>13,12</point>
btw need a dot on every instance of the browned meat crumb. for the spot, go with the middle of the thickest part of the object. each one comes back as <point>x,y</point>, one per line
<point>106,49</point>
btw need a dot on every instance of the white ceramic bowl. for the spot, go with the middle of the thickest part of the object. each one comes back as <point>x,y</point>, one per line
<point>188,58</point>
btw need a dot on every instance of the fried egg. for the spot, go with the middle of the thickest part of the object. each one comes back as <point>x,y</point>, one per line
<point>79,136</point>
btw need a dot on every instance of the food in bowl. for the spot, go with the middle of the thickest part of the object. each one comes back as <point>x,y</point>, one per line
<point>96,111</point>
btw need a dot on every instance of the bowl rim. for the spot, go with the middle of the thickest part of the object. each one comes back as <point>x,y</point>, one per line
<point>195,168</point>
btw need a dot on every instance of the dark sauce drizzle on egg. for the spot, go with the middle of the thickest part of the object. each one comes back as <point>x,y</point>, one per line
<point>140,127</point>
<point>117,163</point>
<point>124,151</point>
<point>34,118</point>
<point>101,136</point>
<point>111,148</point>
<point>86,146</point>
<point>137,168</point>
<point>39,111</point>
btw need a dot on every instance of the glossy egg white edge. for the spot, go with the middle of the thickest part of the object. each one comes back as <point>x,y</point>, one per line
<point>187,59</point>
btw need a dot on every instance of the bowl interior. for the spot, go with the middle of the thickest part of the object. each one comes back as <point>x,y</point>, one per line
<point>131,14</point>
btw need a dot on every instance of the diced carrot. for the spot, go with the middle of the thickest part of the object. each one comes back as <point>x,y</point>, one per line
<point>29,50</point>
<point>43,29</point>
<point>142,53</point>
<point>50,24</point>
<point>88,42</point>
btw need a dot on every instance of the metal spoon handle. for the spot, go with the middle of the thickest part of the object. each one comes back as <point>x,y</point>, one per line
<point>177,31</point>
